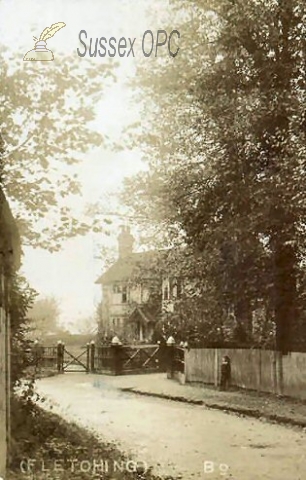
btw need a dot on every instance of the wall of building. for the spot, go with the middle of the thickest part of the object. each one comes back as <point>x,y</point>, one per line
<point>262,370</point>
<point>3,388</point>
<point>9,261</point>
<point>115,312</point>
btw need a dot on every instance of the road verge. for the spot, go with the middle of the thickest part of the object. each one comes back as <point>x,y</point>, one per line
<point>260,413</point>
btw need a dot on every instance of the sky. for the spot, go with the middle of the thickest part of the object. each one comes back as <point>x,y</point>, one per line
<point>69,275</point>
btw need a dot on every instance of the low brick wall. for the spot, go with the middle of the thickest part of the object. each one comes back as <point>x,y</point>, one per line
<point>253,369</point>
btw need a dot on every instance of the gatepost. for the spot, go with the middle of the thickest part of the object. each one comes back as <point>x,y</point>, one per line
<point>88,357</point>
<point>92,356</point>
<point>36,356</point>
<point>60,356</point>
<point>170,357</point>
<point>117,359</point>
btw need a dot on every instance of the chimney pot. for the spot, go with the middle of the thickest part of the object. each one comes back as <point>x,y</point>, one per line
<point>125,241</point>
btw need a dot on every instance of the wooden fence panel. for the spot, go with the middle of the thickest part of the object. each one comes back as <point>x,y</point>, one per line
<point>294,375</point>
<point>245,367</point>
<point>49,357</point>
<point>200,365</point>
<point>253,369</point>
<point>268,375</point>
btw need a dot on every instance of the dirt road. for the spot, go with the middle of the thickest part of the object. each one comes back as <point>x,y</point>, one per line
<point>175,438</point>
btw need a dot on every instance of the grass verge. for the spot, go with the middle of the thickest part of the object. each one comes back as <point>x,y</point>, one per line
<point>45,447</point>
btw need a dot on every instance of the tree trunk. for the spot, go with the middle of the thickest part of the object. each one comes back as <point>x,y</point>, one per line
<point>285,296</point>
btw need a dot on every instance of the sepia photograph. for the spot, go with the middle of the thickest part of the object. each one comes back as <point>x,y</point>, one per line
<point>153,240</point>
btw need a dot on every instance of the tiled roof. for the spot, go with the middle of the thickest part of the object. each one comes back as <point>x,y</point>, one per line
<point>141,264</point>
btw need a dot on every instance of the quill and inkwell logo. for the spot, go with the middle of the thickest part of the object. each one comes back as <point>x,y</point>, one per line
<point>40,52</point>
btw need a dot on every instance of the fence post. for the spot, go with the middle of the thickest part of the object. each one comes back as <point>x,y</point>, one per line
<point>259,369</point>
<point>274,373</point>
<point>60,357</point>
<point>116,349</point>
<point>216,368</point>
<point>170,357</point>
<point>92,356</point>
<point>88,357</point>
<point>279,373</point>
<point>42,357</point>
<point>36,356</point>
<point>185,359</point>
<point>117,364</point>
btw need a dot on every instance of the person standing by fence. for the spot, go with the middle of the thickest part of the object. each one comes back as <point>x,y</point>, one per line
<point>225,373</point>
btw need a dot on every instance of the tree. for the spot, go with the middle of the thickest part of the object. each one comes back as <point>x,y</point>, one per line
<point>22,297</point>
<point>87,325</point>
<point>45,117</point>
<point>43,317</point>
<point>226,139</point>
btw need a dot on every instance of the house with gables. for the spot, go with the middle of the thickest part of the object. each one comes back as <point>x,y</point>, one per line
<point>131,293</point>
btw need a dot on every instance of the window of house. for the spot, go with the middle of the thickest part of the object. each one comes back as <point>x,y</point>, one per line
<point>116,288</point>
<point>178,287</point>
<point>124,294</point>
<point>166,292</point>
<point>118,322</point>
<point>172,289</point>
<point>175,288</point>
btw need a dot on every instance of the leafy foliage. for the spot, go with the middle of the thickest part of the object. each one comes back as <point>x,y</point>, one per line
<point>22,297</point>
<point>46,116</point>
<point>225,137</point>
<point>43,317</point>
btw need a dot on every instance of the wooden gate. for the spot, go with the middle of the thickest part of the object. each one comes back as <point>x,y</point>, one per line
<point>61,359</point>
<point>140,358</point>
<point>129,359</point>
<point>109,359</point>
<point>78,361</point>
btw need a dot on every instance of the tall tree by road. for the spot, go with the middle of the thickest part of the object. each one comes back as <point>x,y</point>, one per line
<point>225,136</point>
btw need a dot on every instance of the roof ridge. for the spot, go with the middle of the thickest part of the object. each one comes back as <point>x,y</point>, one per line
<point>124,267</point>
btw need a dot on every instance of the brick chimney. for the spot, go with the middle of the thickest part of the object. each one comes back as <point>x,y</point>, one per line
<point>125,242</point>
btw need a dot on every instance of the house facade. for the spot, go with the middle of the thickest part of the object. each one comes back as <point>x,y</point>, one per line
<point>130,289</point>
<point>9,262</point>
